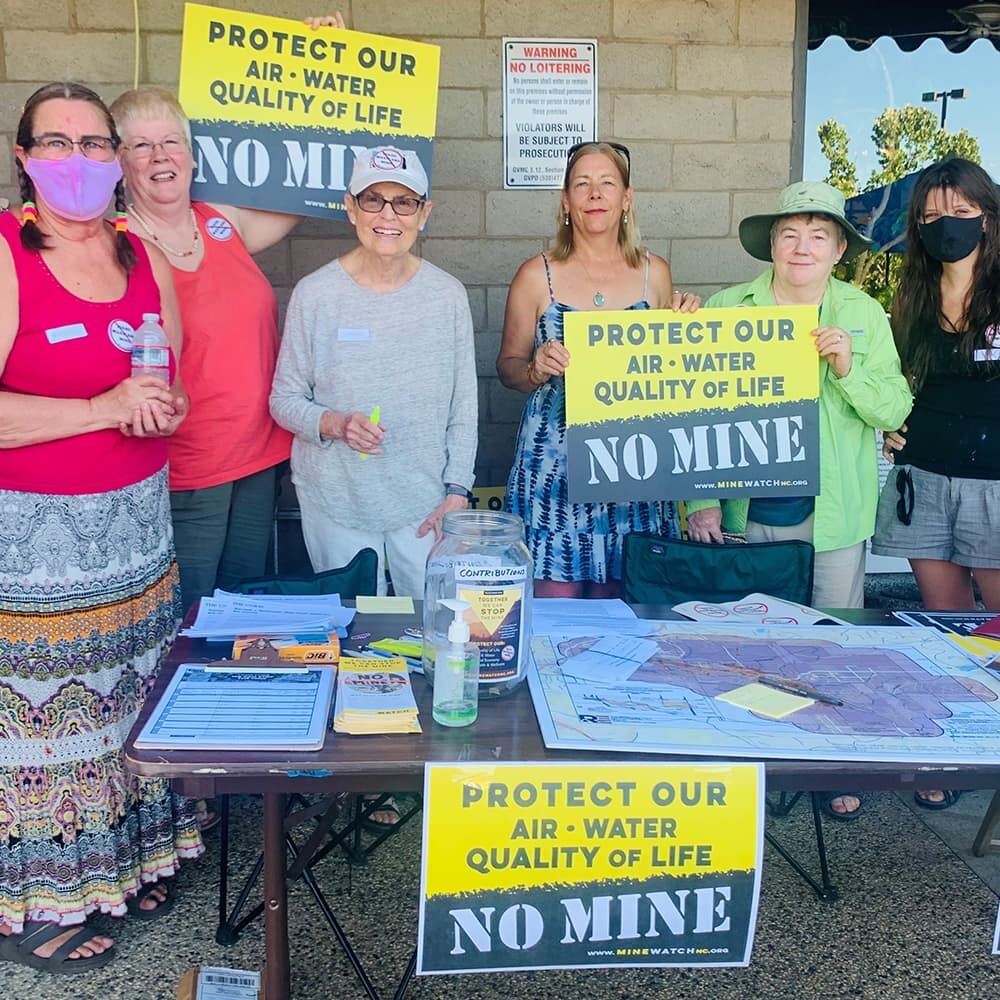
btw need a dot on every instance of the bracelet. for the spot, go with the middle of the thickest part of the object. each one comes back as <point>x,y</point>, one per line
<point>454,490</point>
<point>533,375</point>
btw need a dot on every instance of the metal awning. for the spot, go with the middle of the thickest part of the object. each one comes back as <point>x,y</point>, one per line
<point>909,22</point>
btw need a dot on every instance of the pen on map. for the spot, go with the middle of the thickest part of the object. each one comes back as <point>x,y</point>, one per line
<point>802,690</point>
<point>376,413</point>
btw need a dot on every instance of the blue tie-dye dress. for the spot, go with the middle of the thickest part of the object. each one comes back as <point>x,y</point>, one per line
<point>569,542</point>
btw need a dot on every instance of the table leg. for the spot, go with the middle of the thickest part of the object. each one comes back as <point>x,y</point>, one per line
<point>275,898</point>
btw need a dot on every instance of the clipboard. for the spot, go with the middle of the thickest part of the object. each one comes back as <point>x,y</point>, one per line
<point>234,708</point>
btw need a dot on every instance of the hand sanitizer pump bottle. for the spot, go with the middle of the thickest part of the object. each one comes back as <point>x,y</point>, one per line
<point>456,677</point>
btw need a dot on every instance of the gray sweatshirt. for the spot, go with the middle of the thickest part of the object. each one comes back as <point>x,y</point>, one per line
<point>410,352</point>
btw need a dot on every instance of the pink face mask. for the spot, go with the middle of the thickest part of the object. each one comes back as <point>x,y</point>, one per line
<point>76,188</point>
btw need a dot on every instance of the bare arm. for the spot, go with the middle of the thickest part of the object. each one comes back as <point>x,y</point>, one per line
<point>661,293</point>
<point>258,230</point>
<point>27,419</point>
<point>519,365</point>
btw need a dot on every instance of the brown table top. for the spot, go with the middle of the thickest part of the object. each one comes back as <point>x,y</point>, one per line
<point>506,730</point>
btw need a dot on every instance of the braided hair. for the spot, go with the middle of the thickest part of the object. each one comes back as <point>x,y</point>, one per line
<point>32,237</point>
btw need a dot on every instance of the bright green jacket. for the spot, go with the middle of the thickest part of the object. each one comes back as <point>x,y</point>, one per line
<point>873,394</point>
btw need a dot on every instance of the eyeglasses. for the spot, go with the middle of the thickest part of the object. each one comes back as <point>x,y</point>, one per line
<point>143,149</point>
<point>56,146</point>
<point>904,487</point>
<point>616,146</point>
<point>373,202</point>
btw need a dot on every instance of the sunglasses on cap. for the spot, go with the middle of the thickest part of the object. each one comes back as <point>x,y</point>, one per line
<point>616,146</point>
<point>904,487</point>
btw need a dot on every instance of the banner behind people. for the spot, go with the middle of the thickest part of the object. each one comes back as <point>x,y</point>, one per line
<point>277,108</point>
<point>664,405</point>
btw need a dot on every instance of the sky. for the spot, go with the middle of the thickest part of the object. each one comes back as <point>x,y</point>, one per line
<point>856,87</point>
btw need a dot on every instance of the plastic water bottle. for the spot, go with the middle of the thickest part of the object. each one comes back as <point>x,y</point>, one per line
<point>151,349</point>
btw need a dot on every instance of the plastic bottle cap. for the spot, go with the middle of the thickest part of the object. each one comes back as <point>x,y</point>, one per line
<point>151,317</point>
<point>458,630</point>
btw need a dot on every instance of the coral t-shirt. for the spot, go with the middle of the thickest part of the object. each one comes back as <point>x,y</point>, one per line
<point>70,348</point>
<point>229,317</point>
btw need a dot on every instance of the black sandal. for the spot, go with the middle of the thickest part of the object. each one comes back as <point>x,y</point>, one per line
<point>20,948</point>
<point>826,804</point>
<point>162,908</point>
<point>951,796</point>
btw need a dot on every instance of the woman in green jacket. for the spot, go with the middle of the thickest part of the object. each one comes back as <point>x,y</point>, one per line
<point>861,389</point>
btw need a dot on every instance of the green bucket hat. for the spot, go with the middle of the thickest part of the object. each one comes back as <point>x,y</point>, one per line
<point>801,198</point>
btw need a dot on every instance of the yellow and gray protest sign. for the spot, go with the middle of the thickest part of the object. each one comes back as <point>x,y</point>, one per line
<point>278,109</point>
<point>667,405</point>
<point>570,865</point>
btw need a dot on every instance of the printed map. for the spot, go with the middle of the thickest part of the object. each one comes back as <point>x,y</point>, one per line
<point>908,694</point>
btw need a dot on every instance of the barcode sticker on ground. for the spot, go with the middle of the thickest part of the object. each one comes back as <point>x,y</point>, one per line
<point>216,983</point>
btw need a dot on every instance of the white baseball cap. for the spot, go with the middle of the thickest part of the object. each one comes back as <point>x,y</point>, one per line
<point>386,163</point>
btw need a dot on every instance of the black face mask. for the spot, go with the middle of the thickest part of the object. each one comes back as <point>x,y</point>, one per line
<point>950,238</point>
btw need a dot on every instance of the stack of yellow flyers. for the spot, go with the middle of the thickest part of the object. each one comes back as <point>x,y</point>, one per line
<point>374,696</point>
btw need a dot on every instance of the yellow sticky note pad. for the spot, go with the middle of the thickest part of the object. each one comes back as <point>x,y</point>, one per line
<point>384,605</point>
<point>765,700</point>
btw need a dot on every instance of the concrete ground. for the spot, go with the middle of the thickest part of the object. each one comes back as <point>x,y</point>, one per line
<point>915,920</point>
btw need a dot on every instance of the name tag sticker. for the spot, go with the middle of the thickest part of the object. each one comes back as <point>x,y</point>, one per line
<point>73,331</point>
<point>349,333</point>
<point>993,354</point>
<point>856,333</point>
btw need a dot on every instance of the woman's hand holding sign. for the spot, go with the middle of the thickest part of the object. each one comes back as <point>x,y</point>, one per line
<point>550,359</point>
<point>834,344</point>
<point>335,20</point>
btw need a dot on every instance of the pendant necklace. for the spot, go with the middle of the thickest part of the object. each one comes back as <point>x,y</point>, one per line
<point>599,299</point>
<point>195,238</point>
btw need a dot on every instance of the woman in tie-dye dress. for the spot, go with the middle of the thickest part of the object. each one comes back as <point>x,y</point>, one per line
<point>595,262</point>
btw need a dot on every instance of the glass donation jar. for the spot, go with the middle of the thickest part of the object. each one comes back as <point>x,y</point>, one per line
<point>481,559</point>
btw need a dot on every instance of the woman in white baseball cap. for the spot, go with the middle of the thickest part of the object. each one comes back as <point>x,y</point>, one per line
<point>376,379</point>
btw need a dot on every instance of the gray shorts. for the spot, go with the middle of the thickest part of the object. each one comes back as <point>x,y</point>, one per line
<point>957,520</point>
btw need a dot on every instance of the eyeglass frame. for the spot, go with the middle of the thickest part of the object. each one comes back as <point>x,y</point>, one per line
<point>38,140</point>
<point>616,146</point>
<point>180,140</point>
<point>389,201</point>
<point>904,505</point>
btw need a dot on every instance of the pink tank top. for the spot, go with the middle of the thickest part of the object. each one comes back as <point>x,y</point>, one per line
<point>69,348</point>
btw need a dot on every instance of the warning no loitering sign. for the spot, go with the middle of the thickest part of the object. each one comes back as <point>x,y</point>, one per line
<point>550,103</point>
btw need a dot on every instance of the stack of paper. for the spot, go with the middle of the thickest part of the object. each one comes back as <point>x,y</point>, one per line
<point>226,616</point>
<point>374,696</point>
<point>578,616</point>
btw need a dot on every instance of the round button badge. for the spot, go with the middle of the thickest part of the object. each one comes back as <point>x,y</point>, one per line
<point>219,228</point>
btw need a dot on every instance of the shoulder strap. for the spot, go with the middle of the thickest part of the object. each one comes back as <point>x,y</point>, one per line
<point>645,279</point>
<point>548,278</point>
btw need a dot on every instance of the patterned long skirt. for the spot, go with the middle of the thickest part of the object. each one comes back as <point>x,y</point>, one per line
<point>88,604</point>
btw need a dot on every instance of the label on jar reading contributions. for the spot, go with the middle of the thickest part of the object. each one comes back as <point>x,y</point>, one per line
<point>498,624</point>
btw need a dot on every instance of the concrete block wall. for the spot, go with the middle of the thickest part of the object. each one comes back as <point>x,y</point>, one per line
<point>700,90</point>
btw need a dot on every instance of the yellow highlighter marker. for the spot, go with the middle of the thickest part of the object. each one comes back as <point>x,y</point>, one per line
<point>374,419</point>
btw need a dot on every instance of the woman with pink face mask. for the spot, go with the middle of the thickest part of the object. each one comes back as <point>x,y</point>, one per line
<point>88,583</point>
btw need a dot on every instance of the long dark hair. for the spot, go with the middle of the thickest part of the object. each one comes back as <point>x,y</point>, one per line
<point>32,237</point>
<point>916,308</point>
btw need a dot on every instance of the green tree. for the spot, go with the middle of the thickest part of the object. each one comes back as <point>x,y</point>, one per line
<point>905,140</point>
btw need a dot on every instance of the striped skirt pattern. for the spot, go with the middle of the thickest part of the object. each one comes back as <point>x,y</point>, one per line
<point>89,599</point>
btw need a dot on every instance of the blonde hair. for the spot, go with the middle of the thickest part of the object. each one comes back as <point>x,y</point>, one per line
<point>628,229</point>
<point>146,103</point>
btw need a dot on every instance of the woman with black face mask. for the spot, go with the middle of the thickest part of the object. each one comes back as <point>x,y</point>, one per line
<point>941,507</point>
